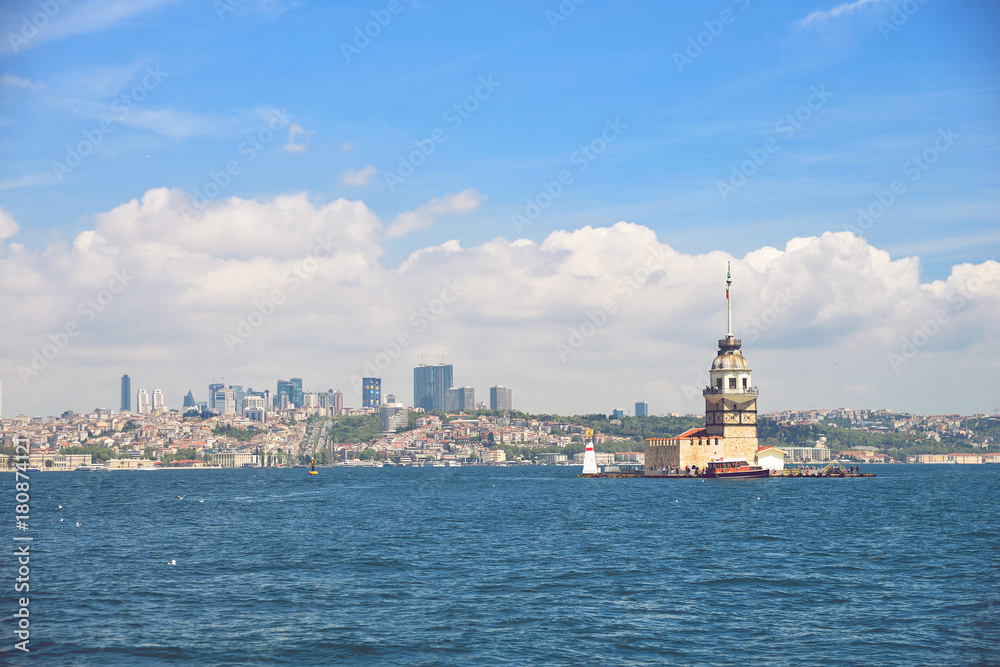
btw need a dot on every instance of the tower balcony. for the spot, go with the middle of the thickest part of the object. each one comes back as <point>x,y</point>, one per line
<point>735,343</point>
<point>715,391</point>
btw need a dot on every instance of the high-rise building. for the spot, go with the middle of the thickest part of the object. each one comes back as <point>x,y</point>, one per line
<point>225,401</point>
<point>459,399</point>
<point>501,398</point>
<point>371,392</point>
<point>142,402</point>
<point>429,385</point>
<point>189,401</point>
<point>126,394</point>
<point>642,409</point>
<point>285,388</point>
<point>617,414</point>
<point>212,388</point>
<point>296,396</point>
<point>337,402</point>
<point>159,404</point>
<point>391,416</point>
<point>390,398</point>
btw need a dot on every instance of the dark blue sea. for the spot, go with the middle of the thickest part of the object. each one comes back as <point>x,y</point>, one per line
<point>529,565</point>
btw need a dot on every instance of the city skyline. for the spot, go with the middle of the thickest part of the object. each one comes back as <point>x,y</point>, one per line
<point>545,197</point>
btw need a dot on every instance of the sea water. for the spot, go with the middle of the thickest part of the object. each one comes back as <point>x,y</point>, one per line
<point>520,565</point>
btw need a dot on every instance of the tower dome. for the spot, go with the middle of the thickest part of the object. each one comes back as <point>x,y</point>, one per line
<point>731,360</point>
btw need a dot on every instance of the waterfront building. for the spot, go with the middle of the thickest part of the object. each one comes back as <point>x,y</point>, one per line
<point>807,454</point>
<point>730,429</point>
<point>429,385</point>
<point>232,458</point>
<point>771,458</point>
<point>642,409</point>
<point>126,405</point>
<point>371,392</point>
<point>501,398</point>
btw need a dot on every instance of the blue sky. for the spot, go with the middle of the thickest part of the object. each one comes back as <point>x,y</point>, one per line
<point>183,88</point>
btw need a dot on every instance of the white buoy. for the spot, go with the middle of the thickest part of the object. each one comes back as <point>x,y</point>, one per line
<point>590,461</point>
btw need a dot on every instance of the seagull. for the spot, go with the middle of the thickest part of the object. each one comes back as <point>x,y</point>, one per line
<point>182,497</point>
<point>201,501</point>
<point>78,524</point>
<point>172,562</point>
<point>62,519</point>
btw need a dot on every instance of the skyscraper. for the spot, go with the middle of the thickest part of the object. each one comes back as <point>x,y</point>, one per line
<point>189,401</point>
<point>212,388</point>
<point>126,394</point>
<point>159,404</point>
<point>501,398</point>
<point>642,409</point>
<point>287,388</point>
<point>142,402</point>
<point>429,384</point>
<point>338,402</point>
<point>371,392</point>
<point>459,398</point>
<point>296,396</point>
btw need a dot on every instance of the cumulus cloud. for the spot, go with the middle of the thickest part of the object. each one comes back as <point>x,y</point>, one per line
<point>822,16</point>
<point>423,217</point>
<point>585,321</point>
<point>8,227</point>
<point>358,177</point>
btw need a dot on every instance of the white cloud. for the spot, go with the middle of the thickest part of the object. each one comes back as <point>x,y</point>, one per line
<point>293,131</point>
<point>356,177</point>
<point>824,16</point>
<point>8,226</point>
<point>461,203</point>
<point>820,318</point>
<point>14,81</point>
<point>85,17</point>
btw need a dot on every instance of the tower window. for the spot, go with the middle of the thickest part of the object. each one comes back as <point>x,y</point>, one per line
<point>718,383</point>
<point>732,383</point>
<point>744,383</point>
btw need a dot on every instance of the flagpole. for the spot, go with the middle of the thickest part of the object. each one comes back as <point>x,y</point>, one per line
<point>729,304</point>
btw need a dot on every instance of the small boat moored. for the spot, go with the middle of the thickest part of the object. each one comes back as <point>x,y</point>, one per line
<point>734,469</point>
